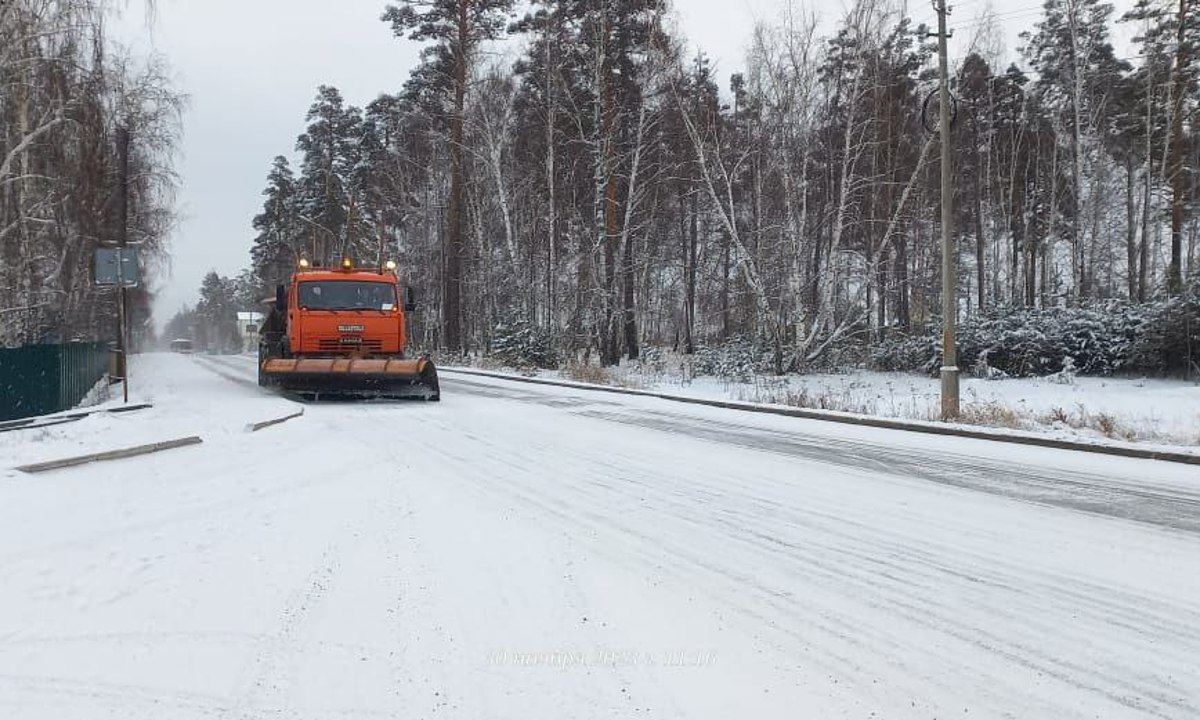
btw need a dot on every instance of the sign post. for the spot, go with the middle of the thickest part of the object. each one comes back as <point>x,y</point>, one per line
<point>118,267</point>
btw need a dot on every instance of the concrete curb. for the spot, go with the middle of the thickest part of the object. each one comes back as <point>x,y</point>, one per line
<point>255,427</point>
<point>110,455</point>
<point>47,423</point>
<point>862,420</point>
<point>58,419</point>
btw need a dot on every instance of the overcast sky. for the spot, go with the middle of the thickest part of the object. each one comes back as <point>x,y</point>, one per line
<point>251,69</point>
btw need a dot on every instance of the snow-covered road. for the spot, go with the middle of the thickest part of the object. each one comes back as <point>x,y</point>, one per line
<point>520,551</point>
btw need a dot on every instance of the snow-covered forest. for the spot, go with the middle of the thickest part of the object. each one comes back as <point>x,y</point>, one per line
<point>609,190</point>
<point>65,91</point>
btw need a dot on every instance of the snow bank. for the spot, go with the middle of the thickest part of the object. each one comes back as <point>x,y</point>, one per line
<point>1163,412</point>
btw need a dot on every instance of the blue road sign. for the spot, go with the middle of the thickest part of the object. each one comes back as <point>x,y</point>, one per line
<point>117,266</point>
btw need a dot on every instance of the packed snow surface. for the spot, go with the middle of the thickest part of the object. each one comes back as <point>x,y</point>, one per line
<point>521,551</point>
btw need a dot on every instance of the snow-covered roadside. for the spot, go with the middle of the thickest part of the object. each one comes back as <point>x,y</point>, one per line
<point>186,401</point>
<point>1164,413</point>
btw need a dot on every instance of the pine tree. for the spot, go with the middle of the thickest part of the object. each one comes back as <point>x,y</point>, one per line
<point>1155,41</point>
<point>457,27</point>
<point>217,313</point>
<point>974,137</point>
<point>278,243</point>
<point>328,147</point>
<point>248,292</point>
<point>1076,66</point>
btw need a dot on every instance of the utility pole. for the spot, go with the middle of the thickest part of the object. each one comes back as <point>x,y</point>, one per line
<point>949,264</point>
<point>122,241</point>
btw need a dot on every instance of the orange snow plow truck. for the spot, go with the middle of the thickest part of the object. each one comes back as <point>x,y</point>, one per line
<point>342,332</point>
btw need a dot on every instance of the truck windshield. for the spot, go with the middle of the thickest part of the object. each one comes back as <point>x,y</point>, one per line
<point>347,295</point>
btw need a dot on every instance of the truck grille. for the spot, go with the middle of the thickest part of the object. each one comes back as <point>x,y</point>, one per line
<point>350,344</point>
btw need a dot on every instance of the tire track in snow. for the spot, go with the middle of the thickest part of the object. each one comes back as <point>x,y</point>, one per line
<point>230,373</point>
<point>892,578</point>
<point>431,619</point>
<point>622,542</point>
<point>131,700</point>
<point>760,511</point>
<point>1172,508</point>
<point>496,574</point>
<point>115,696</point>
<point>202,510</point>
<point>875,573</point>
<point>269,672</point>
<point>135,639</point>
<point>1138,500</point>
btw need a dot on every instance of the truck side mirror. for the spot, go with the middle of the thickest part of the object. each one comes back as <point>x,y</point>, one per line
<point>281,298</point>
<point>410,300</point>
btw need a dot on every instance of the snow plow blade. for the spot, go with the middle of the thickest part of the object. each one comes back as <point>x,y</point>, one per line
<point>352,377</point>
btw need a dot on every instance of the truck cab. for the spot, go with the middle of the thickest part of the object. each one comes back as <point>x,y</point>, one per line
<point>343,331</point>
<point>356,313</point>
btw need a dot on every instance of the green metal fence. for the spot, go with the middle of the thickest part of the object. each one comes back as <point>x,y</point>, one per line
<point>41,379</point>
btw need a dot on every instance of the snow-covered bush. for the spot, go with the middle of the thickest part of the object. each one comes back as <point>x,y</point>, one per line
<point>652,360</point>
<point>1167,341</point>
<point>735,359</point>
<point>1025,342</point>
<point>521,344</point>
<point>648,369</point>
<point>1031,341</point>
<point>910,353</point>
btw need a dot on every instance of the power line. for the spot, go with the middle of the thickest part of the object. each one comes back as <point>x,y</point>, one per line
<point>993,17</point>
